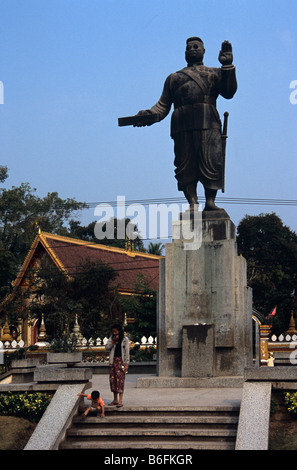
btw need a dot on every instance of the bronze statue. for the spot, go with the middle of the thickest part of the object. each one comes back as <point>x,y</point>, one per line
<point>199,144</point>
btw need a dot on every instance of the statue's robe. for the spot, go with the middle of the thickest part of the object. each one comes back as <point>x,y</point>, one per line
<point>195,122</point>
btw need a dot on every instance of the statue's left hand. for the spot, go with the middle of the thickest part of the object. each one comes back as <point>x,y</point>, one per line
<point>226,54</point>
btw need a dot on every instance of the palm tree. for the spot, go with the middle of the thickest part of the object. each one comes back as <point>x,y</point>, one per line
<point>155,248</point>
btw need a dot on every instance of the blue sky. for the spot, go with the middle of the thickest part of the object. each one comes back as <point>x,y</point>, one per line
<point>70,68</point>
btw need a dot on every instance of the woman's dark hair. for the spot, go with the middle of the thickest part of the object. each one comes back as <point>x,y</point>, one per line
<point>120,330</point>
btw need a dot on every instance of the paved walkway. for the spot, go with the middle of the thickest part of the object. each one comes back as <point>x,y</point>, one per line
<point>134,396</point>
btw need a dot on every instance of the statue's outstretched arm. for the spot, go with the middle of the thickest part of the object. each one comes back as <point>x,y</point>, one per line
<point>161,108</point>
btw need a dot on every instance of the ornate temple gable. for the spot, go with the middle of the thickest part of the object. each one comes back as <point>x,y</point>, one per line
<point>69,253</point>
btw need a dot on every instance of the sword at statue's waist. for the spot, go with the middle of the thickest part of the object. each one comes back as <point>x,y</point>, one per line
<point>225,125</point>
<point>224,138</point>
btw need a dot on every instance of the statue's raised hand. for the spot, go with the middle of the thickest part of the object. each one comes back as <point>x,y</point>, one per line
<point>226,54</point>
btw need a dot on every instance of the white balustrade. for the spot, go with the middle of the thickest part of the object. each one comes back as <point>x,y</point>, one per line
<point>86,343</point>
<point>12,345</point>
<point>281,338</point>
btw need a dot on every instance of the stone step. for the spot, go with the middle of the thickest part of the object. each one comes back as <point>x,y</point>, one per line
<point>166,411</point>
<point>158,431</point>
<point>147,444</point>
<point>141,420</point>
<point>174,409</point>
<point>155,428</point>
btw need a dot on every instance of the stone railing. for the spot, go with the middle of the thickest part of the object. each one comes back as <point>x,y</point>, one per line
<point>283,338</point>
<point>283,345</point>
<point>96,344</point>
<point>144,342</point>
<point>11,345</point>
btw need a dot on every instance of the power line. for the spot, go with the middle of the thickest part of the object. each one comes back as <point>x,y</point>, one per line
<point>177,200</point>
<point>181,200</point>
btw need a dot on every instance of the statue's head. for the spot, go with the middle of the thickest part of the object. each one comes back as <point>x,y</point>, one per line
<point>194,50</point>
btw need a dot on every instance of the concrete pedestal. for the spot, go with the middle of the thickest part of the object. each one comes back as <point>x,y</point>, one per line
<point>205,308</point>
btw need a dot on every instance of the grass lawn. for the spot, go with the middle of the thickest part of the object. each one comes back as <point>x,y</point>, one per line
<point>14,432</point>
<point>283,434</point>
<point>282,426</point>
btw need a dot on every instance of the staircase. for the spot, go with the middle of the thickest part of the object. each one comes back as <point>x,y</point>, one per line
<point>186,427</point>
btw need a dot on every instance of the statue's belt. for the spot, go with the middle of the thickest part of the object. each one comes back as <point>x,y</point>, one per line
<point>204,100</point>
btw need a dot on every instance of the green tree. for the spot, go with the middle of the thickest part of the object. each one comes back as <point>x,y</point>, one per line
<point>20,210</point>
<point>87,295</point>
<point>88,233</point>
<point>142,308</point>
<point>3,173</point>
<point>270,249</point>
<point>155,248</point>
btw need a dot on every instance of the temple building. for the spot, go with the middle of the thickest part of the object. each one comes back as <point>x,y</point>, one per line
<point>67,254</point>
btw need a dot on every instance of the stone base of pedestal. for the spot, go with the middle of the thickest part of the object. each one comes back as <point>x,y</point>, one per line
<point>205,305</point>
<point>189,382</point>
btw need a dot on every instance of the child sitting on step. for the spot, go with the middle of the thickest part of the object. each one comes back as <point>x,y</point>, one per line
<point>97,403</point>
